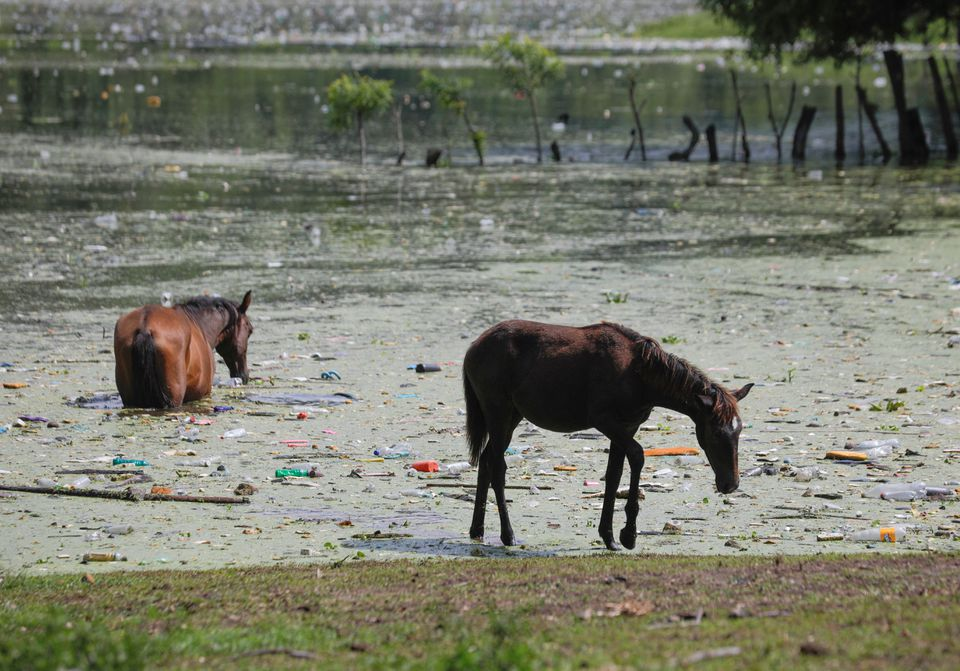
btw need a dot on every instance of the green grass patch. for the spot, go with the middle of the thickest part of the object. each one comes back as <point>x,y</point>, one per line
<point>604,611</point>
<point>695,26</point>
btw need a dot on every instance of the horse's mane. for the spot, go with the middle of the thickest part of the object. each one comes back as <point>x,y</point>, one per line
<point>681,376</point>
<point>198,305</point>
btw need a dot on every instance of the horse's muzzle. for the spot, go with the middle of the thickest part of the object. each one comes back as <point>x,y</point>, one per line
<point>728,487</point>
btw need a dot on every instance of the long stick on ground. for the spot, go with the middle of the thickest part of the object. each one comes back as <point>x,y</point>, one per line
<point>125,495</point>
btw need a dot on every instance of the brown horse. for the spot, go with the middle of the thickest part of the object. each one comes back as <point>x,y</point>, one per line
<point>165,355</point>
<point>603,376</point>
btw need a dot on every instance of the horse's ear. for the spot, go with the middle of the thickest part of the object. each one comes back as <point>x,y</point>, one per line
<point>740,393</point>
<point>707,401</point>
<point>245,303</point>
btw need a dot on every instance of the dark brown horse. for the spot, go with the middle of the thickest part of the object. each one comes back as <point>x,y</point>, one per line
<point>165,355</point>
<point>603,376</point>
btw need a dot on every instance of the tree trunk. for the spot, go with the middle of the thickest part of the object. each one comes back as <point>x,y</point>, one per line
<point>949,138</point>
<point>633,143</point>
<point>712,143</point>
<point>871,111</point>
<point>913,149</point>
<point>778,130</point>
<point>363,139</point>
<point>536,125</point>
<point>555,151</point>
<point>861,149</point>
<point>473,137</point>
<point>398,118</point>
<point>799,150</point>
<point>840,153</point>
<point>636,120</point>
<point>953,87</point>
<point>694,139</point>
<point>741,122</point>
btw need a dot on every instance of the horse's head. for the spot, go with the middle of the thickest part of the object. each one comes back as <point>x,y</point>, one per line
<point>233,342</point>
<point>718,432</point>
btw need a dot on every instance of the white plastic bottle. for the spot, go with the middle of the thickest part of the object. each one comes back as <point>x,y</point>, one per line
<point>891,534</point>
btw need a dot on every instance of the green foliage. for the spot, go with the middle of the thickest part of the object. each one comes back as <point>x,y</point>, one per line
<point>449,91</point>
<point>891,406</point>
<point>479,139</point>
<point>525,64</point>
<point>351,95</point>
<point>616,296</point>
<point>52,641</point>
<point>696,26</point>
<point>671,340</point>
<point>830,29</point>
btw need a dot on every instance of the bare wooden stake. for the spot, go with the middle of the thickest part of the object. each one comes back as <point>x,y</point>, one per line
<point>694,139</point>
<point>840,153</point>
<point>870,109</point>
<point>778,129</point>
<point>741,122</point>
<point>636,119</point>
<point>949,137</point>
<point>799,150</point>
<point>711,133</point>
<point>125,495</point>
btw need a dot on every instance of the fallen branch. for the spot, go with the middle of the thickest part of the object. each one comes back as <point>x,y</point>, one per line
<point>289,652</point>
<point>125,495</point>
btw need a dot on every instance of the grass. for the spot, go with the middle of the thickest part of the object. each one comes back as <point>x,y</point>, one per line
<point>865,612</point>
<point>695,26</point>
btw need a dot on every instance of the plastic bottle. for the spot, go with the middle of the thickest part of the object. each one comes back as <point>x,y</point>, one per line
<point>235,433</point>
<point>102,556</point>
<point>209,461</point>
<point>878,452</point>
<point>46,482</point>
<point>395,451</point>
<point>756,470</point>
<point>80,483</point>
<point>898,491</point>
<point>119,461</point>
<point>870,444</point>
<point>426,466</point>
<point>457,467</point>
<point>513,459</point>
<point>118,529</point>
<point>297,473</point>
<point>891,534</point>
<point>807,473</point>
<point>418,493</point>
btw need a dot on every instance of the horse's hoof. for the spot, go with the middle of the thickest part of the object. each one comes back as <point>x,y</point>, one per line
<point>476,535</point>
<point>628,538</point>
<point>508,540</point>
<point>613,545</point>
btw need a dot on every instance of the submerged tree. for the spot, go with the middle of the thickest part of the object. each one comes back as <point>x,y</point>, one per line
<point>840,30</point>
<point>449,92</point>
<point>526,65</point>
<point>357,97</point>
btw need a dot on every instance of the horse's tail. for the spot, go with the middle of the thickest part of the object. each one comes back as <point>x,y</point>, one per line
<point>476,422</point>
<point>146,362</point>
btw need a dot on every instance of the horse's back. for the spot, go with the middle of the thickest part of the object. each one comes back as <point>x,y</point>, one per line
<point>553,375</point>
<point>151,346</point>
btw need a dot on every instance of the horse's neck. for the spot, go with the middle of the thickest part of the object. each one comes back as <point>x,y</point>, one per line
<point>210,322</point>
<point>674,393</point>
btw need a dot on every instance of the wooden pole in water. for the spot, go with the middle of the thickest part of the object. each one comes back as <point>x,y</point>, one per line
<point>741,122</point>
<point>949,137</point>
<point>799,150</point>
<point>636,118</point>
<point>870,109</point>
<point>398,119</point>
<point>694,139</point>
<point>840,153</point>
<point>778,130</point>
<point>861,149</point>
<point>711,133</point>
<point>953,86</point>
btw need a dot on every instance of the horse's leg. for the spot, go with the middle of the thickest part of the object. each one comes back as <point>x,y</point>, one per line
<point>634,454</point>
<point>499,441</point>
<point>611,484</point>
<point>480,500</point>
<point>622,443</point>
